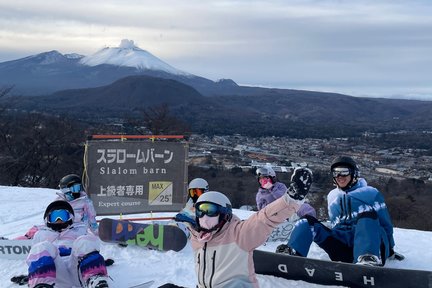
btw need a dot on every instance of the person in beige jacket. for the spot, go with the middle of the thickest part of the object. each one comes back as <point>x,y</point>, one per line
<point>223,244</point>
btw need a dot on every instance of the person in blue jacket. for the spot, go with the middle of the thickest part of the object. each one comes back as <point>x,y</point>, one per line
<point>361,229</point>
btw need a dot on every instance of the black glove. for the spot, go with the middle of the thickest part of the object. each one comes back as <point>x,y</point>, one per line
<point>301,181</point>
<point>109,262</point>
<point>20,279</point>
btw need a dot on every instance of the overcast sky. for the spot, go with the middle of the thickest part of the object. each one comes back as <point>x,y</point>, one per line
<point>362,48</point>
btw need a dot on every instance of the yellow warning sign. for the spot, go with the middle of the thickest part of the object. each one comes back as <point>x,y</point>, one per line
<point>160,193</point>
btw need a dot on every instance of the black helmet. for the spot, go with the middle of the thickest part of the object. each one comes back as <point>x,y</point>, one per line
<point>348,162</point>
<point>59,205</point>
<point>71,187</point>
<point>69,180</point>
<point>344,161</point>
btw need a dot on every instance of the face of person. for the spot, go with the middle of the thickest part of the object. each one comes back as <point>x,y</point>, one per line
<point>265,182</point>
<point>342,176</point>
<point>343,181</point>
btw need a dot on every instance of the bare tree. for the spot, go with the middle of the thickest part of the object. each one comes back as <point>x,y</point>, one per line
<point>37,150</point>
<point>157,120</point>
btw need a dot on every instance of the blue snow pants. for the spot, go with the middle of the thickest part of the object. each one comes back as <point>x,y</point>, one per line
<point>342,243</point>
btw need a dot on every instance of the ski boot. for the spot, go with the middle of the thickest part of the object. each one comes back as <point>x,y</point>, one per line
<point>283,248</point>
<point>97,281</point>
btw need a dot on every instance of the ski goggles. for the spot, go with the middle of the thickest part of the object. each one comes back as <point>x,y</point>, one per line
<point>60,214</point>
<point>209,209</point>
<point>341,171</point>
<point>74,188</point>
<point>196,192</point>
<point>263,172</point>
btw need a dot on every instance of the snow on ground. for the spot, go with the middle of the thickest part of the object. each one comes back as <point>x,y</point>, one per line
<point>20,208</point>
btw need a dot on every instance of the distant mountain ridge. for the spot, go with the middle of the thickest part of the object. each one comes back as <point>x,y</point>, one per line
<point>118,82</point>
<point>48,72</point>
<point>273,112</point>
<point>125,95</point>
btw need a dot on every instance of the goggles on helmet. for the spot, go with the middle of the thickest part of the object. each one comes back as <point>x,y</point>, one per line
<point>263,172</point>
<point>341,171</point>
<point>60,214</point>
<point>209,209</point>
<point>196,192</point>
<point>74,188</point>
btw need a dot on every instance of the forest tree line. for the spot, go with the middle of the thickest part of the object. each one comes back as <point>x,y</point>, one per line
<point>36,150</point>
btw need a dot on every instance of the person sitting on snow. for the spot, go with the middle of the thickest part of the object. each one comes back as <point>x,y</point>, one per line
<point>361,229</point>
<point>72,191</point>
<point>271,189</point>
<point>219,232</point>
<point>63,254</point>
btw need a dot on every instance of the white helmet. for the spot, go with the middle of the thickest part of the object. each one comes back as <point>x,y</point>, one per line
<point>219,199</point>
<point>216,198</point>
<point>199,183</point>
<point>266,171</point>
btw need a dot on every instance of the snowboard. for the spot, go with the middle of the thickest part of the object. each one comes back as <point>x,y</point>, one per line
<point>14,249</point>
<point>337,273</point>
<point>153,236</point>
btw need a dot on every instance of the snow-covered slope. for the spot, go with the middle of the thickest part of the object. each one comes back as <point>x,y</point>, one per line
<point>129,55</point>
<point>20,208</point>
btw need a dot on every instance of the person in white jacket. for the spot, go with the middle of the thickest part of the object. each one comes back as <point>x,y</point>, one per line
<point>64,254</point>
<point>72,191</point>
<point>223,244</point>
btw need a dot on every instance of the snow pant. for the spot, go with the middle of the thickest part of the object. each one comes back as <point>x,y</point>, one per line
<point>344,244</point>
<point>65,267</point>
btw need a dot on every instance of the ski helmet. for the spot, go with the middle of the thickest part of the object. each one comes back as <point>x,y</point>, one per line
<point>266,171</point>
<point>223,204</point>
<point>55,206</point>
<point>199,183</point>
<point>196,188</point>
<point>347,162</point>
<point>67,182</point>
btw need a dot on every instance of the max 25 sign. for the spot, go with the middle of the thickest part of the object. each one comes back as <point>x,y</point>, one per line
<point>136,176</point>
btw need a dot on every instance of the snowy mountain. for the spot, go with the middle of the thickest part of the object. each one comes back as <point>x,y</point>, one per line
<point>52,71</point>
<point>129,55</point>
<point>20,208</point>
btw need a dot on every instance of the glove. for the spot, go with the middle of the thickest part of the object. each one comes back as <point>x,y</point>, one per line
<point>20,279</point>
<point>301,181</point>
<point>109,262</point>
<point>180,217</point>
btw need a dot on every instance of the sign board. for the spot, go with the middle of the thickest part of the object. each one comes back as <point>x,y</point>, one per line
<point>136,176</point>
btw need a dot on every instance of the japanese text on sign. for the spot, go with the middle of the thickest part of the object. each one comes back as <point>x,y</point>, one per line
<point>120,156</point>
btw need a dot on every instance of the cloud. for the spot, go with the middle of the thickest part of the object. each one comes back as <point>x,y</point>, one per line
<point>308,43</point>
